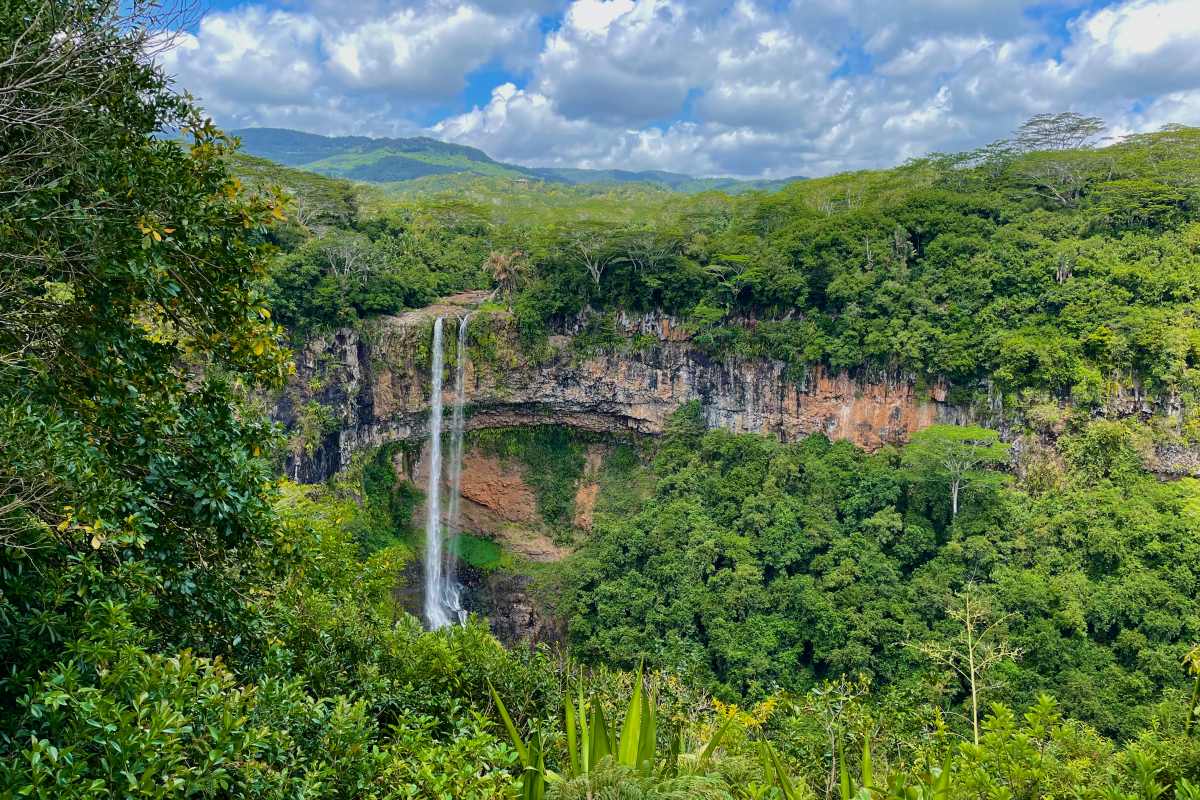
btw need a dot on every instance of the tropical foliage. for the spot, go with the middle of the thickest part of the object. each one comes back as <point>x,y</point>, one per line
<point>177,621</point>
<point>756,565</point>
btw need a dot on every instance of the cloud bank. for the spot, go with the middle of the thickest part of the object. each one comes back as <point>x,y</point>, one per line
<point>746,88</point>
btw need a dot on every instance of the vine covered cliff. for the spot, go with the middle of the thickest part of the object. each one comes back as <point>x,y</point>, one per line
<point>372,387</point>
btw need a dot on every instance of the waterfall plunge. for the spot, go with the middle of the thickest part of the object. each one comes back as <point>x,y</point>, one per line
<point>443,604</point>
<point>457,429</point>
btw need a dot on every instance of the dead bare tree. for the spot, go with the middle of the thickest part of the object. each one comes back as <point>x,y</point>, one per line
<point>1059,177</point>
<point>1050,166</point>
<point>350,260</point>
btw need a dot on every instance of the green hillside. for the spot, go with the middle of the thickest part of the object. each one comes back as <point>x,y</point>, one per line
<point>383,160</point>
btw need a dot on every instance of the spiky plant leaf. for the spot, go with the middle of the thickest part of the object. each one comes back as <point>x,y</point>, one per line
<point>631,728</point>
<point>776,773</point>
<point>585,737</point>
<point>648,734</point>
<point>867,777</point>
<point>714,741</point>
<point>522,750</point>
<point>843,773</point>
<point>601,735</point>
<point>573,765</point>
<point>533,782</point>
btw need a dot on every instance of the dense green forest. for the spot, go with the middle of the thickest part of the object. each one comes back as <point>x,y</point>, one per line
<point>749,620</point>
<point>755,565</point>
<point>1067,273</point>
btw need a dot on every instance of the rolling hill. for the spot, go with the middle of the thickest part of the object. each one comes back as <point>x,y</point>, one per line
<point>391,161</point>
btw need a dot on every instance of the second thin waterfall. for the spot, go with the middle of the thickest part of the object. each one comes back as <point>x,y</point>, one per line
<point>457,431</point>
<point>443,604</point>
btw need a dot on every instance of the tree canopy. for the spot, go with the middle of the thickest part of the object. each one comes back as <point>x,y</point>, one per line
<point>1042,264</point>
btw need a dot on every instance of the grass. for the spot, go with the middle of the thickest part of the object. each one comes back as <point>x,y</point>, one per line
<point>478,552</point>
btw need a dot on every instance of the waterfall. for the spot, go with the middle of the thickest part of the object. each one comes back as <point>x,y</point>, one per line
<point>457,429</point>
<point>435,613</point>
<point>442,603</point>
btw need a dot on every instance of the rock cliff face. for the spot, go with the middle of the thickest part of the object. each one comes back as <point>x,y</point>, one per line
<point>374,387</point>
<point>497,503</point>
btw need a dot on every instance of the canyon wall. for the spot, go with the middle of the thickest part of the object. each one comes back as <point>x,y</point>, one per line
<point>358,389</point>
<point>372,387</point>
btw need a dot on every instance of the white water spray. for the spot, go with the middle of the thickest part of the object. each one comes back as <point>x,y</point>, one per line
<point>457,430</point>
<point>443,605</point>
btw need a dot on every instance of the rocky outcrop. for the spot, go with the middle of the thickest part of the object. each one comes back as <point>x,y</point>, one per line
<point>511,606</point>
<point>375,384</point>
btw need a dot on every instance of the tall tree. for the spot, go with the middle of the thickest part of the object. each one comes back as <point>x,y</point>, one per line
<point>508,270</point>
<point>1065,130</point>
<point>590,244</point>
<point>977,646</point>
<point>955,457</point>
<point>132,307</point>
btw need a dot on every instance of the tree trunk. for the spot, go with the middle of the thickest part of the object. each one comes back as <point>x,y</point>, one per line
<point>1191,717</point>
<point>954,486</point>
<point>974,684</point>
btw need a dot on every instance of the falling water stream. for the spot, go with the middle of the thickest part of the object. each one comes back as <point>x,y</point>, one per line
<point>457,429</point>
<point>443,603</point>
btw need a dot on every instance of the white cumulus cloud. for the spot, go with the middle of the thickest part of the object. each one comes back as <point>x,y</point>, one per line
<point>743,87</point>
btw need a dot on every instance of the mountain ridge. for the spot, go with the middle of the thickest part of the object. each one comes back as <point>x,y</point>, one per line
<point>393,160</point>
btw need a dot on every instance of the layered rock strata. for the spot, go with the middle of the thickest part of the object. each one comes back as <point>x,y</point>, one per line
<point>373,385</point>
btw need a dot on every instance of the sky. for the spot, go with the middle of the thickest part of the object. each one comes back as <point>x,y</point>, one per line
<point>752,88</point>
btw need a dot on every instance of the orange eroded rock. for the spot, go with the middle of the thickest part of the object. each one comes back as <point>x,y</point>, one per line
<point>589,487</point>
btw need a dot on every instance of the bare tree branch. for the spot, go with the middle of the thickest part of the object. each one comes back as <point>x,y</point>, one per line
<point>975,650</point>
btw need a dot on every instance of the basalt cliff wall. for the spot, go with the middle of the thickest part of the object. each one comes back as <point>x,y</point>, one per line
<point>357,389</point>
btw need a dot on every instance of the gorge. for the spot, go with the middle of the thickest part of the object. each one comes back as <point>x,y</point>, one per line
<point>495,482</point>
<point>383,384</point>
